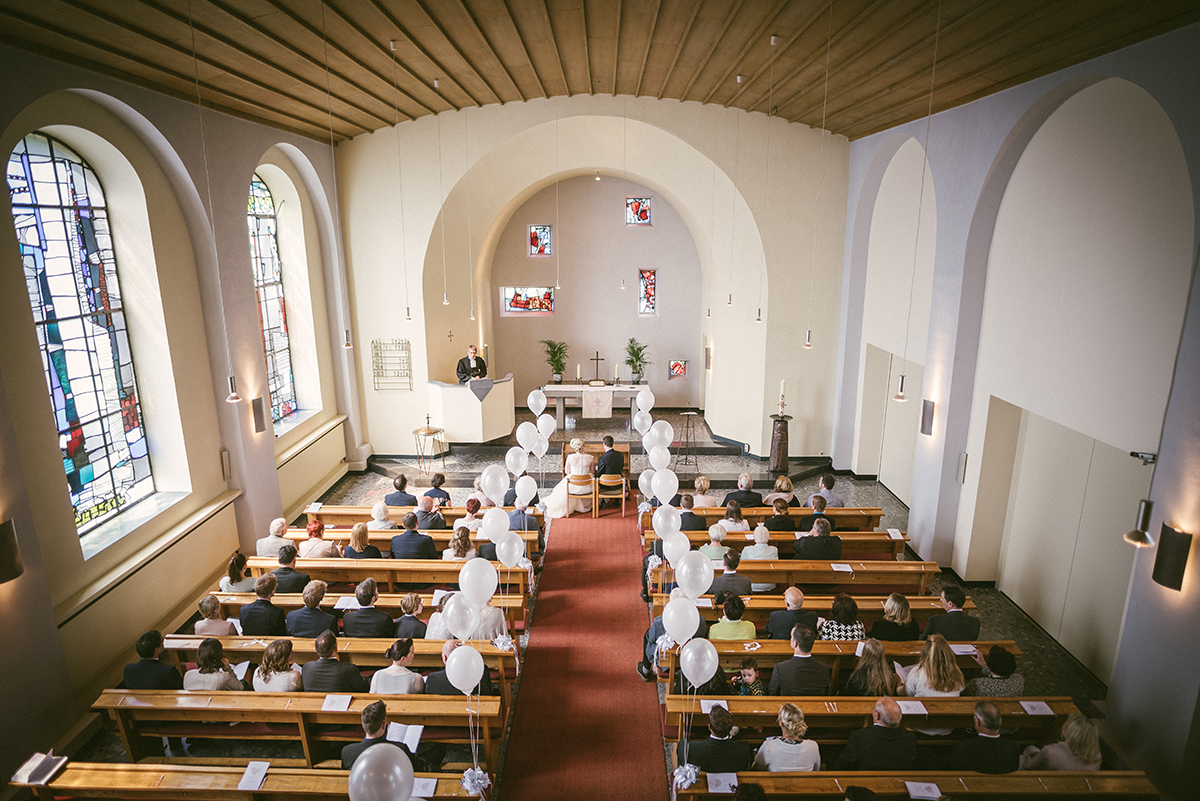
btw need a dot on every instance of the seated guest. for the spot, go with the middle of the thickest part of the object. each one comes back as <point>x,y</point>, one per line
<point>510,496</point>
<point>436,628</point>
<point>287,578</point>
<point>791,751</point>
<point>936,675</point>
<point>310,620</point>
<point>360,546</point>
<point>428,518</point>
<point>731,626</point>
<point>412,544</point>
<point>872,676</point>
<point>263,618</point>
<point>484,500</point>
<point>733,520</point>
<point>1000,678</point>
<point>987,752</point>
<point>1078,748</point>
<point>235,578</point>
<point>400,497</point>
<point>714,549</point>
<point>897,624</point>
<point>409,625</point>
<point>802,674</point>
<point>645,668</point>
<point>781,520</point>
<point>881,746</point>
<point>270,544</point>
<point>781,622</point>
<point>720,753</point>
<point>374,723</point>
<point>761,550</point>
<point>955,625</point>
<point>379,518</point>
<point>211,623</point>
<point>843,623</point>
<point>818,507</point>
<point>749,791</point>
<point>367,621</point>
<point>469,521</point>
<point>825,490</point>
<point>328,675</point>
<point>277,674</point>
<point>398,679</point>
<point>439,495</point>
<point>701,498</point>
<point>729,580</point>
<point>439,684</point>
<point>747,682</point>
<point>783,492</point>
<point>519,519</point>
<point>819,545</point>
<point>316,546</point>
<point>491,623</point>
<point>611,462</point>
<point>689,520</point>
<point>460,549</point>
<point>148,673</point>
<point>656,550</point>
<point>744,496</point>
<point>717,685</point>
<point>854,793</point>
<point>213,671</point>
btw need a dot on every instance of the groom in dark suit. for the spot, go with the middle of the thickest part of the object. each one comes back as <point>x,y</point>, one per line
<point>610,463</point>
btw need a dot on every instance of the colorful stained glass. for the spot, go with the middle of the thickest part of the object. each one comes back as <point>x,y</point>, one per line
<point>647,292</point>
<point>637,211</point>
<point>272,309</point>
<point>526,300</point>
<point>71,275</point>
<point>539,240</point>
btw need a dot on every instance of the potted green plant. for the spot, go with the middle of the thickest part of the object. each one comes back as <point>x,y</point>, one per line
<point>635,359</point>
<point>556,357</point>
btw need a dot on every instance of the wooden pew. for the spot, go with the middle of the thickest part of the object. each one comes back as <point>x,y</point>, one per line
<point>850,518</point>
<point>390,572</point>
<point>143,717</point>
<point>232,603</point>
<point>839,655</point>
<point>383,539</point>
<point>347,516</point>
<point>858,544</point>
<point>836,716</point>
<point>1048,785</point>
<point>150,782</point>
<point>760,607</point>
<point>864,578</point>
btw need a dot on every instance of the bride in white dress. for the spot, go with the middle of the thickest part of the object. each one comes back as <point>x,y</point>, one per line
<point>562,503</point>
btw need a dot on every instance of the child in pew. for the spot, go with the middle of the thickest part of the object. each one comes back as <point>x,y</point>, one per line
<point>747,682</point>
<point>211,623</point>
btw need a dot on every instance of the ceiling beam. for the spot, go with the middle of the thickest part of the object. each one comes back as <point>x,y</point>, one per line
<point>646,53</point>
<point>768,21</point>
<point>445,73</point>
<point>525,48</point>
<point>687,30</point>
<point>801,29</point>
<point>425,9</point>
<point>491,48</point>
<point>562,71</point>
<point>729,18</point>
<point>587,55</point>
<point>616,49</point>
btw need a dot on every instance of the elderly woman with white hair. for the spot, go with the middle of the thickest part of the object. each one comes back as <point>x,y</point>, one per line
<point>567,499</point>
<point>713,549</point>
<point>379,518</point>
<point>761,550</point>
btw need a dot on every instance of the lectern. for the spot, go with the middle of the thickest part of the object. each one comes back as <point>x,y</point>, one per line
<point>478,411</point>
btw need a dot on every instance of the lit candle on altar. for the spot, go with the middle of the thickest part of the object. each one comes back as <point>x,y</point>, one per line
<point>616,372</point>
<point>578,372</point>
<point>782,384</point>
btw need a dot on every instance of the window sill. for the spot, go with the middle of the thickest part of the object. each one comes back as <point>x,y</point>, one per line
<point>294,421</point>
<point>127,522</point>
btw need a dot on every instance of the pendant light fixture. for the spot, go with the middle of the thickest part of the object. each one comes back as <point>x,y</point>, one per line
<point>557,229</point>
<point>1140,537</point>
<point>400,185</point>
<point>812,277</point>
<point>467,180</point>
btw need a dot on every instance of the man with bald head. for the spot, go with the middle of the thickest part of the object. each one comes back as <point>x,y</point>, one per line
<point>428,518</point>
<point>782,621</point>
<point>883,745</point>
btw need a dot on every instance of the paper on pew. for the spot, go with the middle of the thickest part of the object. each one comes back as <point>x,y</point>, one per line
<point>424,787</point>
<point>410,735</point>
<point>39,769</point>
<point>962,649</point>
<point>841,568</point>
<point>336,703</point>
<point>347,602</point>
<point>923,790</point>
<point>237,625</point>
<point>704,603</point>
<point>722,782</point>
<point>1037,708</point>
<point>895,534</point>
<point>252,779</point>
<point>315,506</point>
<point>240,669</point>
<point>718,564</point>
<point>707,706</point>
<point>859,648</point>
<point>438,595</point>
<point>912,707</point>
<point>902,670</point>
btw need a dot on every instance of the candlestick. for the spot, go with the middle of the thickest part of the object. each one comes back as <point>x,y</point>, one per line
<point>578,372</point>
<point>616,372</point>
<point>782,384</point>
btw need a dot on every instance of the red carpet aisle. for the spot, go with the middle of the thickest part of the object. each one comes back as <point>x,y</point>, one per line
<point>585,725</point>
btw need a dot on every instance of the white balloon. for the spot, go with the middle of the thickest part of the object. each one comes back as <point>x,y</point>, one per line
<point>495,523</point>
<point>698,660</point>
<point>460,616</point>
<point>547,425</point>
<point>464,669</point>
<point>526,489</point>
<point>510,549</point>
<point>665,521</point>
<point>666,484</point>
<point>642,422</point>
<point>381,774</point>
<point>681,619</point>
<point>648,441</point>
<point>527,435</point>
<point>666,434</point>
<point>540,446</point>
<point>477,579</point>
<point>646,483</point>
<point>694,574</point>
<point>516,460</point>
<point>675,546</point>
<point>660,457</point>
<point>494,483</point>
<point>536,401</point>
<point>645,400</point>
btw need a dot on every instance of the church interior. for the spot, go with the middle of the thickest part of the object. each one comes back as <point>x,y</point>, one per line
<point>989,210</point>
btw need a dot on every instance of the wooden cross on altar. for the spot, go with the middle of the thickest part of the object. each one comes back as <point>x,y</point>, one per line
<point>597,360</point>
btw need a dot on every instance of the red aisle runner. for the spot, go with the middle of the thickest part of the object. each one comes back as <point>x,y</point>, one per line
<point>585,725</point>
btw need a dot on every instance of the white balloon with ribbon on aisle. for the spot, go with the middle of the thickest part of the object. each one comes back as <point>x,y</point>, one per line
<point>666,485</point>
<point>694,574</point>
<point>493,481</point>
<point>477,579</point>
<point>495,523</point>
<point>381,774</point>
<point>660,457</point>
<point>516,460</point>
<point>461,616</point>
<point>675,547</point>
<point>681,619</point>
<point>526,489</point>
<point>646,484</point>
<point>547,425</point>
<point>527,435</point>
<point>464,669</point>
<point>698,660</point>
<point>510,549</point>
<point>536,401</point>
<point>663,433</point>
<point>642,422</point>
<point>666,520</point>
<point>540,446</point>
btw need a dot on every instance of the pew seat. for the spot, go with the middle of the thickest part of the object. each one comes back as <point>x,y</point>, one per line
<point>382,538</point>
<point>347,516</point>
<point>870,607</point>
<point>849,517</point>
<point>513,605</point>
<point>863,577</point>
<point>389,573</point>
<point>878,545</point>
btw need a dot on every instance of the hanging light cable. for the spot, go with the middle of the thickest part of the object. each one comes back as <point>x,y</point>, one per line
<point>337,215</point>
<point>737,148</point>
<point>762,269</point>
<point>557,231</point>
<point>812,278</point>
<point>625,177</point>
<point>442,197</point>
<point>400,184</point>
<point>712,220</point>
<point>467,180</point>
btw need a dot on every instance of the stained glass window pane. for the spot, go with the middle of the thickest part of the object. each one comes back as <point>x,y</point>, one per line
<point>637,211</point>
<point>272,309</point>
<point>540,240</point>
<point>519,301</point>
<point>647,292</point>
<point>71,276</point>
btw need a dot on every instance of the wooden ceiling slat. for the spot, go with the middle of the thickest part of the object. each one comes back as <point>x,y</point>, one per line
<point>492,49</point>
<point>450,43</point>
<point>646,53</point>
<point>617,46</point>
<point>729,18</point>
<point>525,48</point>
<point>587,56</point>
<point>817,13</point>
<point>753,39</point>
<point>444,73</point>
<point>687,30</point>
<point>545,19</point>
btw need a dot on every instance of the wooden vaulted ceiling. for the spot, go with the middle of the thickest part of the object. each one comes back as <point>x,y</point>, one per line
<point>328,68</point>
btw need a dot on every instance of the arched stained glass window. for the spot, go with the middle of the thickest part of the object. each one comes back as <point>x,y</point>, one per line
<point>71,274</point>
<point>272,311</point>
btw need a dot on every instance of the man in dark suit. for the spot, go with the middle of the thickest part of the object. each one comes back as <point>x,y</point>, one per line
<point>781,520</point>
<point>729,580</point>
<point>327,674</point>
<point>400,497</point>
<point>610,463</point>
<point>781,622</point>
<point>689,520</point>
<point>309,620</point>
<point>802,674</point>
<point>148,673</point>
<point>408,624</point>
<point>374,723</point>
<point>720,753</point>
<point>520,520</point>
<point>819,545</point>
<point>955,625</point>
<point>428,517</point>
<point>367,621</point>
<point>412,544</point>
<point>439,683</point>
<point>510,497</point>
<point>987,752</point>
<point>470,366</point>
<point>818,507</point>
<point>746,497</point>
<point>645,668</point>
<point>881,746</point>
<point>287,577</point>
<point>263,618</point>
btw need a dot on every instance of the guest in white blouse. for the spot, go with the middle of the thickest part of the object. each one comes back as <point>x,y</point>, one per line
<point>213,671</point>
<point>436,629</point>
<point>235,578</point>
<point>277,674</point>
<point>316,546</point>
<point>212,624</point>
<point>484,500</point>
<point>936,674</point>
<point>791,751</point>
<point>701,499</point>
<point>469,521</point>
<point>733,520</point>
<point>398,679</point>
<point>460,549</point>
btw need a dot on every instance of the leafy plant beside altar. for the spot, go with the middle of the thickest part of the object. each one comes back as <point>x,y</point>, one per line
<point>556,357</point>
<point>635,359</point>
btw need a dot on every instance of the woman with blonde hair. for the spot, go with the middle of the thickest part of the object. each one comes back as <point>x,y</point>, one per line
<point>872,677</point>
<point>235,578</point>
<point>936,675</point>
<point>460,549</point>
<point>783,490</point>
<point>790,751</point>
<point>1078,748</point>
<point>212,624</point>
<point>733,520</point>
<point>276,674</point>
<point>397,679</point>
<point>714,549</point>
<point>567,499</point>
<point>360,547</point>
<point>897,624</point>
<point>701,499</point>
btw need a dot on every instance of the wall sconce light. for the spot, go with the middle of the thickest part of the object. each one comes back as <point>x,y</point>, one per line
<point>808,340</point>
<point>258,409</point>
<point>622,283</point>
<point>899,396</point>
<point>927,407</point>
<point>758,319</point>
<point>10,554</point>
<point>233,396</point>
<point>709,315</point>
<point>1171,561</point>
<point>1139,537</point>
